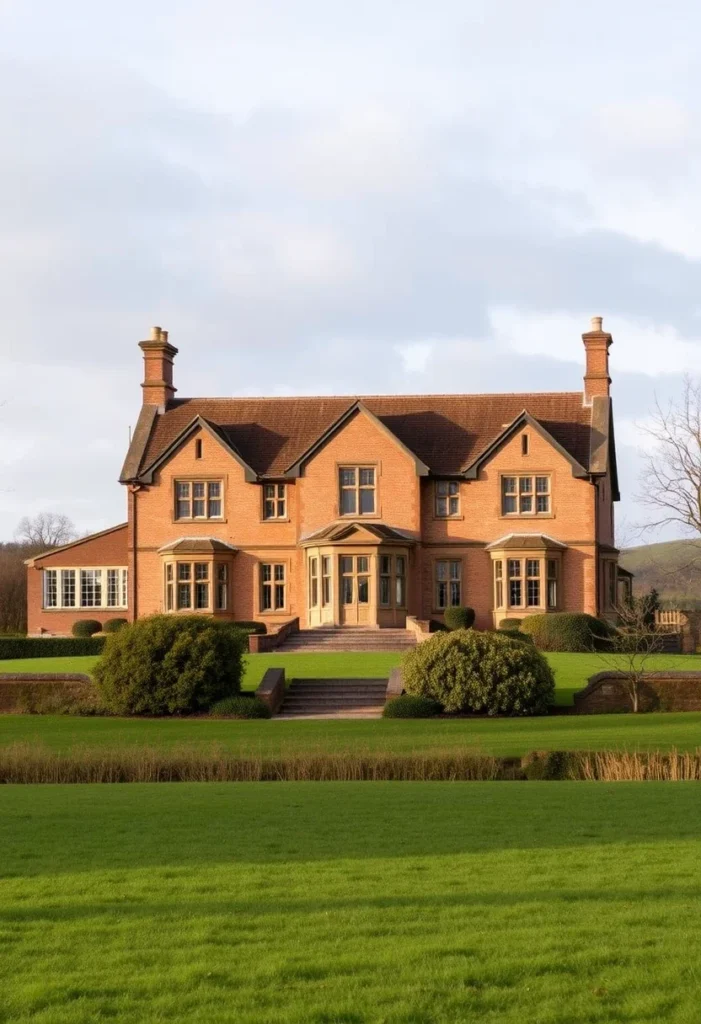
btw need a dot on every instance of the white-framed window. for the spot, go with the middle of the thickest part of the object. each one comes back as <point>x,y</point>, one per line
<point>385,581</point>
<point>313,582</point>
<point>274,501</point>
<point>100,587</point>
<point>272,586</point>
<point>552,583</point>
<point>187,586</point>
<point>222,586</point>
<point>326,580</point>
<point>499,583</point>
<point>198,499</point>
<point>530,583</point>
<point>357,490</point>
<point>447,498</point>
<point>448,583</point>
<point>525,495</point>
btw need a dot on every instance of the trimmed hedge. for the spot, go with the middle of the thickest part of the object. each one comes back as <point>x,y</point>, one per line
<point>509,624</point>
<point>459,617</point>
<point>408,706</point>
<point>480,673</point>
<point>86,627</point>
<point>17,647</point>
<point>252,627</point>
<point>114,625</point>
<point>169,665</point>
<point>571,632</point>
<point>240,706</point>
<point>514,634</point>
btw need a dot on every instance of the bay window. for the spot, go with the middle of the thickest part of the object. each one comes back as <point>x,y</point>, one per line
<point>526,582</point>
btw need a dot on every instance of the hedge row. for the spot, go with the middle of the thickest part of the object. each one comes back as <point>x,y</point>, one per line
<point>15,647</point>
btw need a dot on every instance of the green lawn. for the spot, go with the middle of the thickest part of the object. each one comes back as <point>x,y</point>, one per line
<point>560,903</point>
<point>501,736</point>
<point>571,670</point>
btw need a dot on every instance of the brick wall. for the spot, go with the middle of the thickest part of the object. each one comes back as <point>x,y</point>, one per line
<point>607,693</point>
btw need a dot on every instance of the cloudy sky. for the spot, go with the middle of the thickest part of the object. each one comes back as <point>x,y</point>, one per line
<point>324,197</point>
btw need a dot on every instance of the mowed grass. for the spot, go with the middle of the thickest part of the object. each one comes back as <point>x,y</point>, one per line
<point>572,671</point>
<point>418,903</point>
<point>501,737</point>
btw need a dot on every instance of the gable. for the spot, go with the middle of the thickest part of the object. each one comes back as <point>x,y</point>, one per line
<point>193,428</point>
<point>514,429</point>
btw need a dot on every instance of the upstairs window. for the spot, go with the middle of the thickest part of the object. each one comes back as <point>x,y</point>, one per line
<point>357,490</point>
<point>525,495</point>
<point>274,501</point>
<point>198,499</point>
<point>447,498</point>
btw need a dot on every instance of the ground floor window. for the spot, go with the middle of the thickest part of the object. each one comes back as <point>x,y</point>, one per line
<point>85,588</point>
<point>530,583</point>
<point>392,581</point>
<point>448,583</point>
<point>196,586</point>
<point>272,586</point>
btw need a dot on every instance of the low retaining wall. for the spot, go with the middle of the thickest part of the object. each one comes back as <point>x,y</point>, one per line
<point>272,688</point>
<point>260,642</point>
<point>608,692</point>
<point>23,691</point>
<point>421,628</point>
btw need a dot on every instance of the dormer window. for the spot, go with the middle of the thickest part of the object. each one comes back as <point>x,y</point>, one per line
<point>357,490</point>
<point>274,501</point>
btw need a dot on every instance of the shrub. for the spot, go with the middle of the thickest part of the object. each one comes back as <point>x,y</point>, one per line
<point>573,632</point>
<point>240,706</point>
<point>480,673</point>
<point>49,647</point>
<point>514,634</point>
<point>114,625</point>
<point>86,627</point>
<point>169,664</point>
<point>552,765</point>
<point>510,624</point>
<point>252,627</point>
<point>45,699</point>
<point>407,706</point>
<point>459,617</point>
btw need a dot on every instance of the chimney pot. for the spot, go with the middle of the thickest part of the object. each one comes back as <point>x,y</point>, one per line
<point>597,323</point>
<point>155,334</point>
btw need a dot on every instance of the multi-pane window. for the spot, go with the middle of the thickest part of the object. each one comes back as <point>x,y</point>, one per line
<point>313,582</point>
<point>198,499</point>
<point>514,570</point>
<point>274,501</point>
<point>68,590</point>
<point>385,580</point>
<point>400,581</point>
<point>552,583</point>
<point>357,490</point>
<point>326,580</point>
<point>91,588</point>
<point>170,587</point>
<point>525,495</point>
<point>533,582</point>
<point>184,585</point>
<point>50,588</point>
<point>222,586</point>
<point>499,584</point>
<point>272,586</point>
<point>201,585</point>
<point>448,583</point>
<point>447,498</point>
<point>85,588</point>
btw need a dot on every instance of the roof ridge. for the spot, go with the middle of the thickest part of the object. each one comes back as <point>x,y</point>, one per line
<point>422,394</point>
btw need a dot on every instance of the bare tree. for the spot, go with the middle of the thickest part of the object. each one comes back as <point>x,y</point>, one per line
<point>638,638</point>
<point>45,530</point>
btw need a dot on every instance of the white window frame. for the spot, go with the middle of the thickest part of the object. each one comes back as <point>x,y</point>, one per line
<point>272,581</point>
<point>527,490</point>
<point>274,502</point>
<point>74,574</point>
<point>207,498</point>
<point>357,488</point>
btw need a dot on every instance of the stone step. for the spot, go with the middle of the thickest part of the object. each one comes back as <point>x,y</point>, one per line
<point>352,638</point>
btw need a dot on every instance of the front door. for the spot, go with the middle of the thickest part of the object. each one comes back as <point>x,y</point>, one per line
<point>354,582</point>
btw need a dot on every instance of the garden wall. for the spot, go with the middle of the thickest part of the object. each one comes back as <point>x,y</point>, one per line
<point>25,692</point>
<point>607,692</point>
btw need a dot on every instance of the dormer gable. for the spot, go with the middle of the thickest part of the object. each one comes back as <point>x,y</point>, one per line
<point>198,424</point>
<point>523,420</point>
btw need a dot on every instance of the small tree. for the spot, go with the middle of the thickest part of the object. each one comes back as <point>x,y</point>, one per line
<point>637,639</point>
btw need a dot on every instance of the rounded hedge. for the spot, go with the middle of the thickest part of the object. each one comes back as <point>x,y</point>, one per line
<point>480,673</point>
<point>408,706</point>
<point>240,706</point>
<point>459,617</point>
<point>573,632</point>
<point>510,624</point>
<point>169,665</point>
<point>114,625</point>
<point>86,627</point>
<point>514,634</point>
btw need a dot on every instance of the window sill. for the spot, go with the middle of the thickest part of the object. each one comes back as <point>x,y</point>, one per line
<point>359,515</point>
<point>447,519</point>
<point>189,522</point>
<point>274,520</point>
<point>91,610</point>
<point>527,515</point>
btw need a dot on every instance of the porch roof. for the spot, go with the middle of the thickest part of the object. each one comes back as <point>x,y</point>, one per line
<point>527,542</point>
<point>342,529</point>
<point>196,546</point>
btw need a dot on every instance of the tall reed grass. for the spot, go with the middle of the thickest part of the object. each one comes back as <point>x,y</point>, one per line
<point>32,763</point>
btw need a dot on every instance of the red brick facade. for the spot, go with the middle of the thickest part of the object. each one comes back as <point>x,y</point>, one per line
<point>396,556</point>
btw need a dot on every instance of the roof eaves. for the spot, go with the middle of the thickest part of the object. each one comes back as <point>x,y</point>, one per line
<point>74,543</point>
<point>137,445</point>
<point>471,471</point>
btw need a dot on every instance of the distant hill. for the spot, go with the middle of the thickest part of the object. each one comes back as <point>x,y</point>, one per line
<point>673,568</point>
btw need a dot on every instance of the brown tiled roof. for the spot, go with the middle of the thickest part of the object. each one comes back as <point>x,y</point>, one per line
<point>447,432</point>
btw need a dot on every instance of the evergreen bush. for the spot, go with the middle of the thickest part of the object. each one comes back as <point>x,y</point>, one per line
<point>408,706</point>
<point>459,617</point>
<point>86,627</point>
<point>573,632</point>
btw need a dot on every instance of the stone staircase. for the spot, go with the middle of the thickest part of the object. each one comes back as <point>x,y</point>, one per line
<point>334,698</point>
<point>354,638</point>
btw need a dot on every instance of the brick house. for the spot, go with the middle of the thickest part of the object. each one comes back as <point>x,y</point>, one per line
<point>352,511</point>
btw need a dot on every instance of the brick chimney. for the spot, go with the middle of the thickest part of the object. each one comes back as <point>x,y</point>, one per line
<point>596,344</point>
<point>158,368</point>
